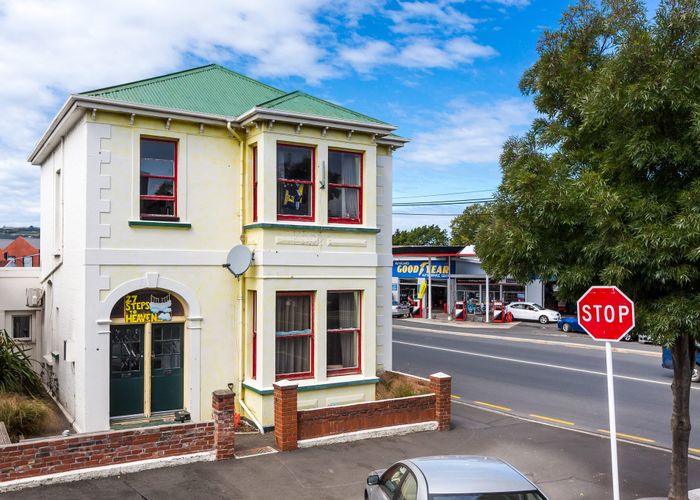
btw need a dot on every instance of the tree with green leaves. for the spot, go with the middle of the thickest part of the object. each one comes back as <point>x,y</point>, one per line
<point>604,188</point>
<point>431,235</point>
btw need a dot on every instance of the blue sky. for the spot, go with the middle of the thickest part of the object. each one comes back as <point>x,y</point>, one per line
<point>446,72</point>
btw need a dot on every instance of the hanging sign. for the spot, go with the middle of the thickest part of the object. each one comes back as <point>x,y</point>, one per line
<point>151,308</point>
<point>439,269</point>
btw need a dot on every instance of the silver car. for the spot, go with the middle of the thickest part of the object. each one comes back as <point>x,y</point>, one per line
<point>451,478</point>
<point>399,310</point>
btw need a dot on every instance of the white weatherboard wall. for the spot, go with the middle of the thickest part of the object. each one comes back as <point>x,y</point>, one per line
<point>14,282</point>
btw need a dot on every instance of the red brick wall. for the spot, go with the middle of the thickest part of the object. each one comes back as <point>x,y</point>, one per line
<point>37,458</point>
<point>361,416</point>
<point>49,456</point>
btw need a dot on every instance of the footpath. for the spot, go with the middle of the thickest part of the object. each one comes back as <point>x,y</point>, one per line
<point>564,463</point>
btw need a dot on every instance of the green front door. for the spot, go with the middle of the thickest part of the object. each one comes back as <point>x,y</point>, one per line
<point>166,366</point>
<point>126,370</point>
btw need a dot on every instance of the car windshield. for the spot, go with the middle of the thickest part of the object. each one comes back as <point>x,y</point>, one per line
<point>538,307</point>
<point>524,495</point>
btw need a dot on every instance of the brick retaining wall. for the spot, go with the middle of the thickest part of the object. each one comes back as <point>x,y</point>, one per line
<point>356,417</point>
<point>48,456</point>
<point>292,424</point>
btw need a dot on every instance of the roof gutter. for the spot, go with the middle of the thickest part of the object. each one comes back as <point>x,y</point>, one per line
<point>58,125</point>
<point>257,113</point>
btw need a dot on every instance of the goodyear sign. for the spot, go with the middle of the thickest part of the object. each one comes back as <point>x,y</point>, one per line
<point>439,269</point>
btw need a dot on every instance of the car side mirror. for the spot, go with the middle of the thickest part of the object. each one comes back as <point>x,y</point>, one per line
<point>373,480</point>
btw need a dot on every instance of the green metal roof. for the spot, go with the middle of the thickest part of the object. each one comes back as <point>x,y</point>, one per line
<point>300,102</point>
<point>210,89</point>
<point>216,90</point>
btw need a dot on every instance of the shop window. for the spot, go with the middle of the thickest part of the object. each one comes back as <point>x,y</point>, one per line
<point>21,327</point>
<point>255,183</point>
<point>343,333</point>
<point>344,187</point>
<point>295,182</point>
<point>158,186</point>
<point>294,335</point>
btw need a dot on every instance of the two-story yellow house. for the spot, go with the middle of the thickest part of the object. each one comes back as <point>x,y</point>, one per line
<point>146,186</point>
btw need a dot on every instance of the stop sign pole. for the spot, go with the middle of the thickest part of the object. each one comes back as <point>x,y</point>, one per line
<point>607,315</point>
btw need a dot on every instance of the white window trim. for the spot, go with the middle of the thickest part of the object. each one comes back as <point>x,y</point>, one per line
<point>12,316</point>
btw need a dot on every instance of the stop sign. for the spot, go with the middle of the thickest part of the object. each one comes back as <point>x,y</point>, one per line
<point>605,313</point>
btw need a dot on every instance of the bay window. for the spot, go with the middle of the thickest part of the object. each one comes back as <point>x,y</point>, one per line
<point>343,332</point>
<point>294,335</point>
<point>344,187</point>
<point>158,186</point>
<point>295,182</point>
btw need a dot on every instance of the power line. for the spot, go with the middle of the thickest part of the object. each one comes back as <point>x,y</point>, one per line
<point>440,215</point>
<point>444,194</point>
<point>442,202</point>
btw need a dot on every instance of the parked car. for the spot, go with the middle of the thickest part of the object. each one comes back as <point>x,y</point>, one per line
<point>530,311</point>
<point>571,324</point>
<point>399,310</point>
<point>451,477</point>
<point>667,362</point>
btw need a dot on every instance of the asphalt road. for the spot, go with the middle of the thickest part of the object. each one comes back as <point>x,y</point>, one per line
<point>547,376</point>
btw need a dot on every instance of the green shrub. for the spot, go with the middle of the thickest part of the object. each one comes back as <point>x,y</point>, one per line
<point>23,415</point>
<point>16,374</point>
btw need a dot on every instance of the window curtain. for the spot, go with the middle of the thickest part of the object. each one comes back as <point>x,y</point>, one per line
<point>342,314</point>
<point>293,327</point>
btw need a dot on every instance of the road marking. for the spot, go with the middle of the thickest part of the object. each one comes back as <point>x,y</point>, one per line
<point>572,345</point>
<point>534,363</point>
<point>654,446</point>
<point>694,450</point>
<point>629,436</point>
<point>550,419</point>
<point>456,397</point>
<point>493,406</point>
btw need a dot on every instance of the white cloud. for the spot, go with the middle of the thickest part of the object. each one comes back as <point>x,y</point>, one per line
<point>425,17</point>
<point>511,3</point>
<point>469,134</point>
<point>417,53</point>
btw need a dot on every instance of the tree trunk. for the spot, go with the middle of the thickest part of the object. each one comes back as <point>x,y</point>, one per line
<point>683,352</point>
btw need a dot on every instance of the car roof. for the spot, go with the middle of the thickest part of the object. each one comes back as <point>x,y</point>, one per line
<point>470,474</point>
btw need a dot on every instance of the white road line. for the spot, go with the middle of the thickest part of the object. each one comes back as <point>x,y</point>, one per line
<point>572,345</point>
<point>534,363</point>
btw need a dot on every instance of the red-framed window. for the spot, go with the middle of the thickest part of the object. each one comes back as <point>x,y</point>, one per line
<point>255,183</point>
<point>343,332</point>
<point>295,182</point>
<point>294,335</point>
<point>158,179</point>
<point>345,187</point>
<point>254,330</point>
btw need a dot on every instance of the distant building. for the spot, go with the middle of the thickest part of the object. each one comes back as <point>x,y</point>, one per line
<point>19,253</point>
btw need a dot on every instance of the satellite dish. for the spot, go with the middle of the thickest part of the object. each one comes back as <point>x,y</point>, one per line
<point>238,260</point>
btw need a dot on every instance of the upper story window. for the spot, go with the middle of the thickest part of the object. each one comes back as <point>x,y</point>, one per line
<point>158,194</point>
<point>255,183</point>
<point>295,182</point>
<point>344,187</point>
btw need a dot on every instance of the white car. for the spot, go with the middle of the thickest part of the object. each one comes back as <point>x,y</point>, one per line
<point>529,311</point>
